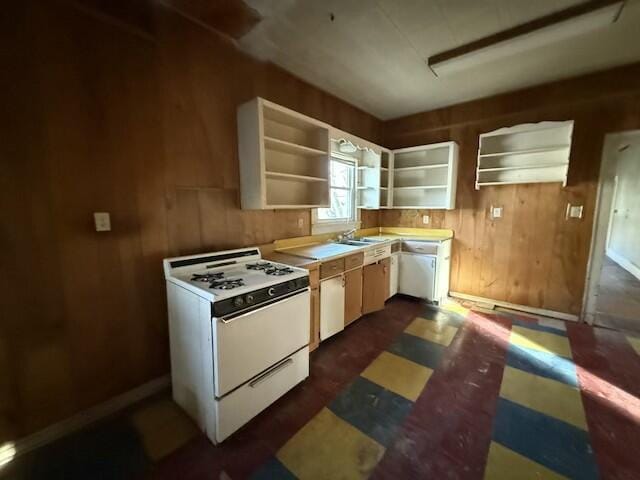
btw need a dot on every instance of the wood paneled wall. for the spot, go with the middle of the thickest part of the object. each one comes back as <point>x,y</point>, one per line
<point>532,256</point>
<point>102,115</point>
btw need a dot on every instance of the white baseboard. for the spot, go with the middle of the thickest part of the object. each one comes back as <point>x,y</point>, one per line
<point>89,416</point>
<point>624,263</point>
<point>514,306</point>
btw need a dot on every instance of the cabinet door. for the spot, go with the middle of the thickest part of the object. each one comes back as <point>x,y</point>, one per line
<point>393,276</point>
<point>314,338</point>
<point>331,307</point>
<point>352,295</point>
<point>373,288</point>
<point>386,264</point>
<point>417,275</point>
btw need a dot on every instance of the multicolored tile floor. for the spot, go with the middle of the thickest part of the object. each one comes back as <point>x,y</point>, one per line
<point>409,392</point>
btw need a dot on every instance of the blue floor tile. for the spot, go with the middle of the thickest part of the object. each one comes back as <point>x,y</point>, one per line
<point>543,364</point>
<point>372,409</point>
<point>553,443</point>
<point>417,350</point>
<point>273,469</point>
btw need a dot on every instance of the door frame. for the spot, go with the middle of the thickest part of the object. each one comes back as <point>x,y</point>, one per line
<point>602,218</point>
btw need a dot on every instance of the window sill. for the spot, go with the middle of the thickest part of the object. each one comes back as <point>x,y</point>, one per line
<point>333,227</point>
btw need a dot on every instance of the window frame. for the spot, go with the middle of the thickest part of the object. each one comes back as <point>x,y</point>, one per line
<point>331,225</point>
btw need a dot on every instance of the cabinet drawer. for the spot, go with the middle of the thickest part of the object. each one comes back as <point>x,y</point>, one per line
<point>314,278</point>
<point>244,403</point>
<point>424,248</point>
<point>328,269</point>
<point>353,261</point>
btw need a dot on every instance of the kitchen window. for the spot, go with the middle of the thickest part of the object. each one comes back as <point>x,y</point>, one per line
<point>342,213</point>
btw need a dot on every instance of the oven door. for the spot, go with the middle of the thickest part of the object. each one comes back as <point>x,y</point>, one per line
<point>246,344</point>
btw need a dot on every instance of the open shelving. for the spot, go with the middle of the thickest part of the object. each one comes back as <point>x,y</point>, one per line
<point>425,176</point>
<point>528,153</point>
<point>368,180</point>
<point>284,157</point>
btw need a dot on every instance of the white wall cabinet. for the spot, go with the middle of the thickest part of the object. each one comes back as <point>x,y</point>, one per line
<point>332,297</point>
<point>425,176</point>
<point>528,153</point>
<point>284,157</point>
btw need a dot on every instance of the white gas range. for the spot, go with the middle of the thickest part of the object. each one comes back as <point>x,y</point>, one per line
<point>239,335</point>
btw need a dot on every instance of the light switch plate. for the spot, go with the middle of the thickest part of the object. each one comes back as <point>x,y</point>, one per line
<point>102,221</point>
<point>496,212</point>
<point>425,219</point>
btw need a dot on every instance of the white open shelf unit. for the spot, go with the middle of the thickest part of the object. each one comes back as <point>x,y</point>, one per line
<point>284,157</point>
<point>527,153</point>
<point>368,180</point>
<point>425,176</point>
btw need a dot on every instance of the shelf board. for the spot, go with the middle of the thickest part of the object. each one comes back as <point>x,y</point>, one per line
<point>384,188</point>
<point>364,167</point>
<point>366,188</point>
<point>420,207</point>
<point>421,167</point>
<point>551,148</point>
<point>290,176</point>
<point>516,182</point>
<point>279,206</point>
<point>288,147</point>
<point>384,169</point>
<point>524,167</point>
<point>421,187</point>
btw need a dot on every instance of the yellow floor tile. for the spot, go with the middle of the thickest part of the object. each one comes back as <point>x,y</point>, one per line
<point>432,330</point>
<point>635,343</point>
<point>544,395</point>
<point>398,374</point>
<point>505,464</point>
<point>163,428</point>
<point>542,341</point>
<point>329,448</point>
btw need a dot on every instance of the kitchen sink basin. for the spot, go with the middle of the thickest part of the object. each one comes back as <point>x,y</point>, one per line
<point>355,243</point>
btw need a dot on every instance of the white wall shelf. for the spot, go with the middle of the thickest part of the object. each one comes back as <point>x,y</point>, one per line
<point>284,157</point>
<point>425,176</point>
<point>528,153</point>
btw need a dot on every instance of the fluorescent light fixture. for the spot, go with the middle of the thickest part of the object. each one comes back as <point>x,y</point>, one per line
<point>7,452</point>
<point>541,32</point>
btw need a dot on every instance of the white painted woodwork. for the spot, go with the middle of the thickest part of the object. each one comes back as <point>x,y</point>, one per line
<point>393,276</point>
<point>284,157</point>
<point>425,176</point>
<point>527,153</point>
<point>331,306</point>
<point>417,275</point>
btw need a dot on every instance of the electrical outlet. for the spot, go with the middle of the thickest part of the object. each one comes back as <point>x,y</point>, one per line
<point>496,212</point>
<point>574,211</point>
<point>102,221</point>
<point>426,219</point>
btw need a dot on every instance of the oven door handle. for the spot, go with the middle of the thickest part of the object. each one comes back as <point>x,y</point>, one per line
<point>245,313</point>
<point>271,372</point>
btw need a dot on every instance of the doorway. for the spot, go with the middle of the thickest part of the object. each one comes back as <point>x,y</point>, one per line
<point>613,283</point>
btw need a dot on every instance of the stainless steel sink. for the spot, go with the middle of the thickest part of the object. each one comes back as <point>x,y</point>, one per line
<point>355,243</point>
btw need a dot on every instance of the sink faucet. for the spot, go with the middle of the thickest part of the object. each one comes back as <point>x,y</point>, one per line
<point>346,235</point>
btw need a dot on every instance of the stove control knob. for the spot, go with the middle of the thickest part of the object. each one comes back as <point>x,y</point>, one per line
<point>238,301</point>
<point>271,292</point>
<point>249,298</point>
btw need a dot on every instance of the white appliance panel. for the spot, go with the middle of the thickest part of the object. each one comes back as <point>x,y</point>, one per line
<point>331,307</point>
<point>245,345</point>
<point>417,275</point>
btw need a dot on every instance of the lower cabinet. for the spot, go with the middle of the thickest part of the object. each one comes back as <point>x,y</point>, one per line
<point>314,338</point>
<point>417,275</point>
<point>373,285</point>
<point>332,308</point>
<point>393,275</point>
<point>352,295</point>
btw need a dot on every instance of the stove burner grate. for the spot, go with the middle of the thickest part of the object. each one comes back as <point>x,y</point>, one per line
<point>259,266</point>
<point>278,271</point>
<point>207,277</point>
<point>227,284</point>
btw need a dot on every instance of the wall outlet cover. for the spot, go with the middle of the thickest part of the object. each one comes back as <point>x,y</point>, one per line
<point>576,211</point>
<point>102,221</point>
<point>425,219</point>
<point>496,212</point>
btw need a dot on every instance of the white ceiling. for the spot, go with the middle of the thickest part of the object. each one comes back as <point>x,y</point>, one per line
<point>374,53</point>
